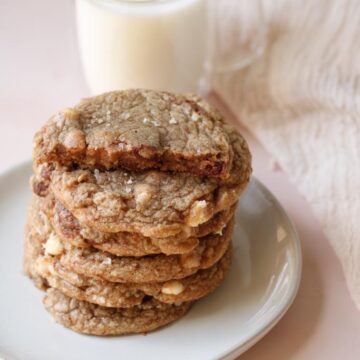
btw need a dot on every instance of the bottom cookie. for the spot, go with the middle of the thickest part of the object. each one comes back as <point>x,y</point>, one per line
<point>93,319</point>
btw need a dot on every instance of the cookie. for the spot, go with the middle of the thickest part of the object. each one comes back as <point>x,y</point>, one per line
<point>47,271</point>
<point>137,130</point>
<point>67,227</point>
<point>111,294</point>
<point>152,203</point>
<point>93,319</point>
<point>153,268</point>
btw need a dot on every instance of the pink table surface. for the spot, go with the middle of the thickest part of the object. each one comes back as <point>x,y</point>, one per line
<point>40,72</point>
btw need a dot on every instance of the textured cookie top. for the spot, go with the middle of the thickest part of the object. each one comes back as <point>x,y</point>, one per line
<point>155,268</point>
<point>40,264</point>
<point>137,130</point>
<point>67,227</point>
<point>93,319</point>
<point>152,203</point>
<point>112,294</point>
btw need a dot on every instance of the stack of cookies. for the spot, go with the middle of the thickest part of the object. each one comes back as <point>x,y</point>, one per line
<point>133,209</point>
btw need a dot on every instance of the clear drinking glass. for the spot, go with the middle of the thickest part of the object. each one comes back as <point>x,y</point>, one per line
<point>166,44</point>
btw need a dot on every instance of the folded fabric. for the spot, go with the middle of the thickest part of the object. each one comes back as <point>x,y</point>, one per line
<point>301,99</point>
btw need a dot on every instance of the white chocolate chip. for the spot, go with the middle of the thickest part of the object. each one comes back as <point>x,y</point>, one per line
<point>53,245</point>
<point>106,261</point>
<point>172,288</point>
<point>74,139</point>
<point>42,266</point>
<point>172,121</point>
<point>201,204</point>
<point>190,261</point>
<point>143,194</point>
<point>198,213</point>
<point>142,198</point>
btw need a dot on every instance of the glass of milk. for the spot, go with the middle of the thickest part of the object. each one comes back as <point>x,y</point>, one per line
<point>159,44</point>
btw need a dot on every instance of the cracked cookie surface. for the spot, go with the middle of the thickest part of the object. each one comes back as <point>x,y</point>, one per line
<point>152,203</point>
<point>154,268</point>
<point>110,294</point>
<point>68,228</point>
<point>137,130</point>
<point>92,319</point>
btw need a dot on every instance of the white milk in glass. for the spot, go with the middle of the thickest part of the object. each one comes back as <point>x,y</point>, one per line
<point>142,44</point>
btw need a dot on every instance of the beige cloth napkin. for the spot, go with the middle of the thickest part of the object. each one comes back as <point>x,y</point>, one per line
<point>302,101</point>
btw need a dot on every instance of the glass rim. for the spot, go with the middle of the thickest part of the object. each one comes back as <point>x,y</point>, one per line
<point>135,2</point>
<point>142,6</point>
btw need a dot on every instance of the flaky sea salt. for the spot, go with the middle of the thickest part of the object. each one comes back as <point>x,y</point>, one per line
<point>106,261</point>
<point>194,116</point>
<point>156,123</point>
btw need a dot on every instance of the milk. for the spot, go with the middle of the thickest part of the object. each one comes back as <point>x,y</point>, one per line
<point>142,44</point>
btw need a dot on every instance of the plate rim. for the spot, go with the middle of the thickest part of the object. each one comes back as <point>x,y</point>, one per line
<point>240,348</point>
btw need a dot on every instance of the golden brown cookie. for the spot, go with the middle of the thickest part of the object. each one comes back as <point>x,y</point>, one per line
<point>93,319</point>
<point>154,268</point>
<point>67,227</point>
<point>152,203</point>
<point>137,130</point>
<point>111,294</point>
<point>47,271</point>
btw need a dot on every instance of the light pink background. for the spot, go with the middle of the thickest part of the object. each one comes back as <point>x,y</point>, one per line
<point>40,72</point>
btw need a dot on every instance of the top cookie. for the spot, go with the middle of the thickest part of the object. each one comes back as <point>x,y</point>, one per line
<point>138,130</point>
<point>153,203</point>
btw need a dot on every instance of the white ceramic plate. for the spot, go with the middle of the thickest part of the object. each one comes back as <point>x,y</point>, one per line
<point>261,285</point>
